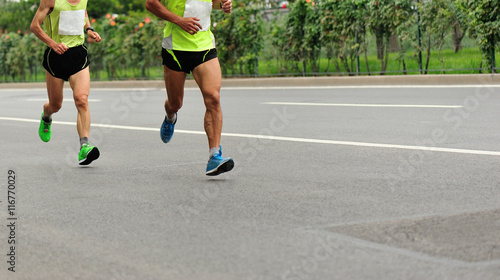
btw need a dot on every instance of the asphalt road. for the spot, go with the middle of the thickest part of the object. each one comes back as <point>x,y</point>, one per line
<point>330,182</point>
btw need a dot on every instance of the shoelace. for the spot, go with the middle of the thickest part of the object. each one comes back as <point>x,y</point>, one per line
<point>168,122</point>
<point>218,155</point>
<point>168,125</point>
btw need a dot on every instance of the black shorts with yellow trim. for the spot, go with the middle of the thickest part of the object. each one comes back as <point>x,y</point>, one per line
<point>65,65</point>
<point>185,61</point>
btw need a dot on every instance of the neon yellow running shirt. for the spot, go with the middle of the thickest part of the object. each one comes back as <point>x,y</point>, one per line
<point>177,39</point>
<point>66,22</point>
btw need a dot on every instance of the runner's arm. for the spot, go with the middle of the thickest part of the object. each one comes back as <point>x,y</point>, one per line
<point>44,9</point>
<point>224,5</point>
<point>190,24</point>
<point>94,35</point>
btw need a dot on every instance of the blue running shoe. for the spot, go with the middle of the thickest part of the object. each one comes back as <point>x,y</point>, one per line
<point>167,130</point>
<point>217,164</point>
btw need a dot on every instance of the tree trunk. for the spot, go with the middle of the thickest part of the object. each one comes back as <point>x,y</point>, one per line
<point>394,43</point>
<point>402,55</point>
<point>380,45</point>
<point>337,66</point>
<point>343,58</point>
<point>366,54</point>
<point>457,35</point>
<point>385,60</point>
<point>428,53</point>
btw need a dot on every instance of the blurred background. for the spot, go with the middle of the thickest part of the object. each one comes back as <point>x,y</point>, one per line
<point>279,38</point>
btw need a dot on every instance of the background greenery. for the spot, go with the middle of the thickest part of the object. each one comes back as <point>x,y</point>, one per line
<point>301,37</point>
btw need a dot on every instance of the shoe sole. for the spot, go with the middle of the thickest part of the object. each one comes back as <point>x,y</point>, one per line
<point>166,140</point>
<point>91,156</point>
<point>224,167</point>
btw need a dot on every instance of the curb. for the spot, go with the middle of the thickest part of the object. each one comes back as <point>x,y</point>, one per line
<point>466,79</point>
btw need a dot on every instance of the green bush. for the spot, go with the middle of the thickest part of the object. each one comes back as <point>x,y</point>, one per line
<point>484,16</point>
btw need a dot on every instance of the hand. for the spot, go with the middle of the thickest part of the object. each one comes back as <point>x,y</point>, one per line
<point>191,25</point>
<point>59,48</point>
<point>227,6</point>
<point>94,35</point>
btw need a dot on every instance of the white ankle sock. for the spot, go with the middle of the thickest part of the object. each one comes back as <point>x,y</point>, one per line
<point>212,152</point>
<point>171,120</point>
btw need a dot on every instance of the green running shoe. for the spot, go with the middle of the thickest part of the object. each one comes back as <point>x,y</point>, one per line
<point>44,130</point>
<point>88,154</point>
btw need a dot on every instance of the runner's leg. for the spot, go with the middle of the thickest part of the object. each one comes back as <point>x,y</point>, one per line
<point>55,95</point>
<point>174,84</point>
<point>80,84</point>
<point>208,77</point>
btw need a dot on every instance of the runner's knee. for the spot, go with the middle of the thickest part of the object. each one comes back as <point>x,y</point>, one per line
<point>81,102</point>
<point>174,105</point>
<point>55,106</point>
<point>212,101</point>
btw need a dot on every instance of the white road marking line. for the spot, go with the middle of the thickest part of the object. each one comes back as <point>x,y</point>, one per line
<point>286,139</point>
<point>361,105</point>
<point>3,90</point>
<point>361,87</point>
<point>65,100</point>
<point>303,87</point>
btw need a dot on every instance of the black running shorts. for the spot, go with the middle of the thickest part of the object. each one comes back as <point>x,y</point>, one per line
<point>183,61</point>
<point>67,64</point>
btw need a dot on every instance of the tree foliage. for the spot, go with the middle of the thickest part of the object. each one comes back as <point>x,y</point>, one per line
<point>343,30</point>
<point>99,8</point>
<point>484,22</point>
<point>20,55</point>
<point>296,35</point>
<point>403,27</point>
<point>238,38</point>
<point>132,42</point>
<point>17,15</point>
